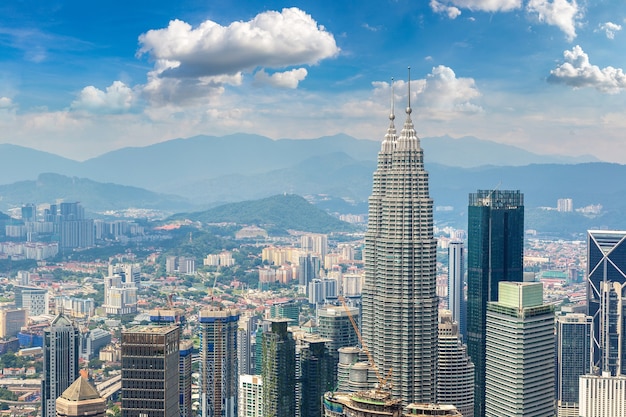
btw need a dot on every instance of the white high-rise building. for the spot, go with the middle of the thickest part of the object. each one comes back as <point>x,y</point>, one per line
<point>519,378</point>
<point>455,377</point>
<point>32,299</point>
<point>399,292</point>
<point>602,396</point>
<point>456,288</point>
<point>250,396</point>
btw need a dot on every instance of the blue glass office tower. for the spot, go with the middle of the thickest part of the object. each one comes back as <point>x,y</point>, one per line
<point>495,248</point>
<point>605,298</point>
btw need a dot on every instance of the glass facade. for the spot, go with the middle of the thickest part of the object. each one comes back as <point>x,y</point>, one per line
<point>494,254</point>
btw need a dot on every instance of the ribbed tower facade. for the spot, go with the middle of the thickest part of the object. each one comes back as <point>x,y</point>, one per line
<point>399,292</point>
<point>455,378</point>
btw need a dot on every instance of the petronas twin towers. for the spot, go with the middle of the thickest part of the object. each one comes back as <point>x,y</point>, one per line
<point>399,293</point>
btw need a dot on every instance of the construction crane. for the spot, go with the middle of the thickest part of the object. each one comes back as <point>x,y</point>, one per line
<point>382,381</point>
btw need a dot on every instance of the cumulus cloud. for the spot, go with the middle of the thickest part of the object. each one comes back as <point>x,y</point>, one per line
<point>270,40</point>
<point>578,72</point>
<point>287,79</point>
<point>451,11</point>
<point>117,98</point>
<point>609,29</point>
<point>441,95</point>
<point>563,14</point>
<point>480,5</point>
<point>5,103</point>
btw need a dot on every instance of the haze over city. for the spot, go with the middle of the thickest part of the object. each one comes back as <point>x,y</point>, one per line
<point>79,79</point>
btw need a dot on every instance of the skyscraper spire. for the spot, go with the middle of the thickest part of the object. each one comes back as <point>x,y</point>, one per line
<point>408,109</point>
<point>389,141</point>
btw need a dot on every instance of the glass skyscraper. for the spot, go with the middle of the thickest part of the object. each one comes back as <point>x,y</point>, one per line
<point>495,248</point>
<point>399,292</point>
<point>605,298</point>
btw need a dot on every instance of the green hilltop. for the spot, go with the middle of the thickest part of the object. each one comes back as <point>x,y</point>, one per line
<point>279,212</point>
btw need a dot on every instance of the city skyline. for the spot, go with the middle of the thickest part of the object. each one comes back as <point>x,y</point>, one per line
<point>71,86</point>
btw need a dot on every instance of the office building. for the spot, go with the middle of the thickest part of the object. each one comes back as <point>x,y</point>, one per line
<point>602,396</point>
<point>315,374</point>
<point>218,354</point>
<point>495,250</point>
<point>245,344</point>
<point>455,376</point>
<point>573,359</point>
<point>333,323</point>
<point>288,310</point>
<point>81,399</point>
<point>456,285</point>
<point>606,263</point>
<point>250,396</point>
<point>400,301</point>
<point>185,351</point>
<point>61,349</point>
<point>519,378</point>
<point>150,377</point>
<point>11,322</point>
<point>308,269</point>
<point>278,370</point>
<point>32,299</point>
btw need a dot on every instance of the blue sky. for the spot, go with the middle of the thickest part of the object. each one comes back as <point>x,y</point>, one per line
<point>82,78</point>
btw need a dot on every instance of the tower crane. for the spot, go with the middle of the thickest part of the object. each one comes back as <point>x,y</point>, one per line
<point>382,381</point>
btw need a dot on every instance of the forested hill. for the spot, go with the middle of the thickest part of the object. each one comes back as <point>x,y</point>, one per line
<point>285,211</point>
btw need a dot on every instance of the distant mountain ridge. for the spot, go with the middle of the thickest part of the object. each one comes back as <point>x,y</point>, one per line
<point>48,188</point>
<point>207,157</point>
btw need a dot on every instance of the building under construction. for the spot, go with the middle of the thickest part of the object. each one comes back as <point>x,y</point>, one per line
<point>378,403</point>
<point>372,403</point>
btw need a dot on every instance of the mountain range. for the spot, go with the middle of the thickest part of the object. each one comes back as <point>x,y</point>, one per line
<point>204,171</point>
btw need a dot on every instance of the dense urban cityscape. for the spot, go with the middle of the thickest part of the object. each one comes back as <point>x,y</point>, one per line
<point>395,317</point>
<point>238,209</point>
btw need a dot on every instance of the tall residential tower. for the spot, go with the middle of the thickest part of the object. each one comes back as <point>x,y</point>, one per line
<point>399,293</point>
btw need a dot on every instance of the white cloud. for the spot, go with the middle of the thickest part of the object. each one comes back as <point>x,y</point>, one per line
<point>287,79</point>
<point>578,72</point>
<point>270,40</point>
<point>439,96</point>
<point>485,5</point>
<point>609,29</point>
<point>117,98</point>
<point>5,103</point>
<point>193,64</point>
<point>563,14</point>
<point>451,11</point>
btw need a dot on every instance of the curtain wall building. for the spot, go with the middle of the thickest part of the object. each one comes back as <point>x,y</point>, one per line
<point>278,370</point>
<point>456,287</point>
<point>495,248</point>
<point>400,302</point>
<point>606,298</point>
<point>61,349</point>
<point>573,359</point>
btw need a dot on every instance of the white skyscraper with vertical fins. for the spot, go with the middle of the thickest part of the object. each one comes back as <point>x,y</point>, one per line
<point>399,292</point>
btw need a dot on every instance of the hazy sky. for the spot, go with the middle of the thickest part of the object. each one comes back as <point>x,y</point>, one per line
<point>80,78</point>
